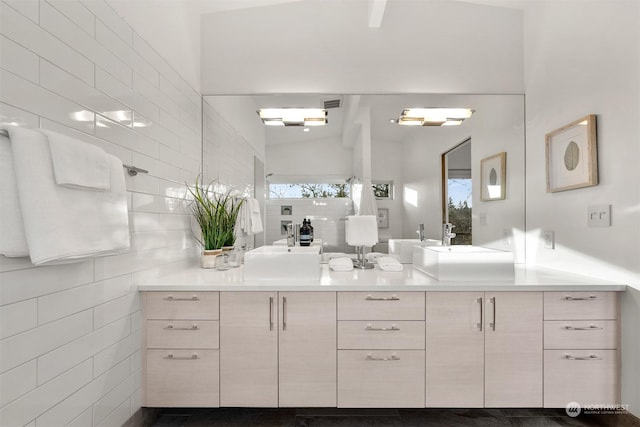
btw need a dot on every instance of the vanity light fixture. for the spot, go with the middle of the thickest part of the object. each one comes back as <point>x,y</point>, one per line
<point>434,116</point>
<point>293,116</point>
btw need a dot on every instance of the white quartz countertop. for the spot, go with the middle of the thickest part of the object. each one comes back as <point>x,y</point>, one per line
<point>194,278</point>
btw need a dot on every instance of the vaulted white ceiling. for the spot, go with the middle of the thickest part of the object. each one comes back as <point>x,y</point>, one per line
<point>174,27</point>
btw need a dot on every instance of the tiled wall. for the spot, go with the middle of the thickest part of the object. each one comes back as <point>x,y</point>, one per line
<point>228,157</point>
<point>70,334</point>
<point>326,215</point>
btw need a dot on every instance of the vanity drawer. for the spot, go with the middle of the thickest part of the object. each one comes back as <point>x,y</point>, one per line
<point>182,378</point>
<point>580,305</point>
<point>580,334</point>
<point>381,334</point>
<point>182,305</point>
<point>365,379</point>
<point>590,381</point>
<point>183,334</point>
<point>380,305</point>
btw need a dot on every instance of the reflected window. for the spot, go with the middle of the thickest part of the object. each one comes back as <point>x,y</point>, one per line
<point>308,191</point>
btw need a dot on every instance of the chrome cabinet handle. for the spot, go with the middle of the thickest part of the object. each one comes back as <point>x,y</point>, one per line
<point>284,313</point>
<point>492,325</point>
<point>369,327</point>
<point>589,298</point>
<point>170,356</point>
<point>172,298</point>
<point>271,313</point>
<point>479,324</point>
<point>583,328</point>
<point>590,357</point>
<point>193,327</point>
<point>391,298</point>
<point>391,358</point>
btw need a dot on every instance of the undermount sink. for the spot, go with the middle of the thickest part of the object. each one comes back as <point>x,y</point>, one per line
<point>464,263</point>
<point>282,263</point>
<point>403,248</point>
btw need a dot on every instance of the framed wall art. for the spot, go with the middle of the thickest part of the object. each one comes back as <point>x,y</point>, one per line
<point>493,177</point>
<point>572,156</point>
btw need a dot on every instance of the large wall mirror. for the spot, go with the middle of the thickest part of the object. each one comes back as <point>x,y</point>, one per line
<point>308,167</point>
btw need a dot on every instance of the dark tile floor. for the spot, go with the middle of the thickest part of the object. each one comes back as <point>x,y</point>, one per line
<point>329,417</point>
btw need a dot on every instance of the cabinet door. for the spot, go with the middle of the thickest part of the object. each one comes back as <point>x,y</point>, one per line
<point>307,349</point>
<point>454,349</point>
<point>248,349</point>
<point>513,349</point>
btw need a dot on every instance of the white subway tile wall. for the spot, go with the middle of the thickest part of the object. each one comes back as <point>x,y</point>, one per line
<point>327,218</point>
<point>70,335</point>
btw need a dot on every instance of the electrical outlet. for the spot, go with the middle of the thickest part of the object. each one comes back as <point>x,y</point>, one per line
<point>549,239</point>
<point>483,219</point>
<point>506,237</point>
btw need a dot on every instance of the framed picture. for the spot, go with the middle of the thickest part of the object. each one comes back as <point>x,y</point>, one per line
<point>572,156</point>
<point>493,177</point>
<point>383,218</point>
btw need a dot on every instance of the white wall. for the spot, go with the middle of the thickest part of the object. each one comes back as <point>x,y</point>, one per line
<point>71,334</point>
<point>496,126</point>
<point>386,165</point>
<point>327,47</point>
<point>314,158</point>
<point>582,59</point>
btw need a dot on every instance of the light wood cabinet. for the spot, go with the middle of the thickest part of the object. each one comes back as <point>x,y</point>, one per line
<point>381,349</point>
<point>249,349</point>
<point>454,349</point>
<point>484,349</point>
<point>278,349</point>
<point>581,348</point>
<point>307,349</point>
<point>181,362</point>
<point>513,349</point>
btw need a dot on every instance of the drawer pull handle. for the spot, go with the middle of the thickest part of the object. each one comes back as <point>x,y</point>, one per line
<point>170,356</point>
<point>583,328</point>
<point>590,357</point>
<point>172,298</point>
<point>391,298</point>
<point>391,358</point>
<point>589,298</point>
<point>492,324</point>
<point>193,327</point>
<point>479,324</point>
<point>392,328</point>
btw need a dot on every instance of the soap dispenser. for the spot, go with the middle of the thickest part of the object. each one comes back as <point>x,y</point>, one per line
<point>305,234</point>
<point>310,229</point>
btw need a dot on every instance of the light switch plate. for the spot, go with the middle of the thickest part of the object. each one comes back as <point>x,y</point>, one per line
<point>599,215</point>
<point>549,239</point>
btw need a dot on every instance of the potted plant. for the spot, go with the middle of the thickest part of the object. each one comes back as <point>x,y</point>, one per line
<point>216,213</point>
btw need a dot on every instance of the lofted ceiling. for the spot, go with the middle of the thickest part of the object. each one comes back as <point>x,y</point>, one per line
<point>175,30</point>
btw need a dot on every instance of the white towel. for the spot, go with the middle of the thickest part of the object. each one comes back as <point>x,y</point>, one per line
<point>361,230</point>
<point>341,264</point>
<point>388,263</point>
<point>13,242</point>
<point>63,224</point>
<point>77,164</point>
<point>256,218</point>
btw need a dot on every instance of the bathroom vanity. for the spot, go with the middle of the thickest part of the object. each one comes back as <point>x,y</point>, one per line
<point>379,339</point>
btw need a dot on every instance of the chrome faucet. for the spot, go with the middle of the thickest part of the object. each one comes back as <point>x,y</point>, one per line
<point>447,233</point>
<point>291,236</point>
<point>420,232</point>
